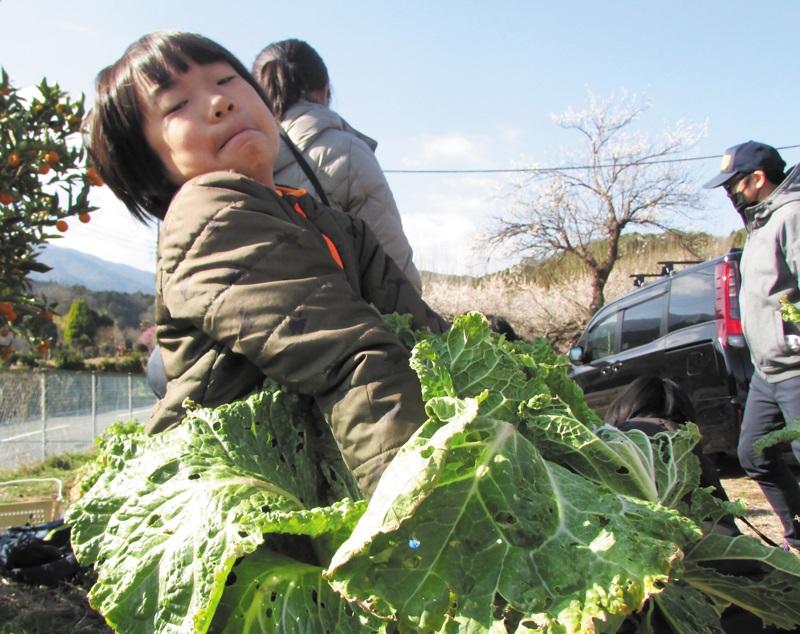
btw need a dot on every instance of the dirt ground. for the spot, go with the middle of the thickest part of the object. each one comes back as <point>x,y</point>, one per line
<point>759,512</point>
<point>64,609</point>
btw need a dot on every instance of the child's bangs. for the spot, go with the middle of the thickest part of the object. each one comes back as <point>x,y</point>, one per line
<point>173,55</point>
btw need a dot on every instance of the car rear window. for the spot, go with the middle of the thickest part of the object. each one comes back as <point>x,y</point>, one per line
<point>691,299</point>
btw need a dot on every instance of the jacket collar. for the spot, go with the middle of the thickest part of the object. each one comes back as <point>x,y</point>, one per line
<point>789,190</point>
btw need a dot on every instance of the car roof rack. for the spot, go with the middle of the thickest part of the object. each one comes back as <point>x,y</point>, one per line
<point>639,278</point>
<point>668,266</point>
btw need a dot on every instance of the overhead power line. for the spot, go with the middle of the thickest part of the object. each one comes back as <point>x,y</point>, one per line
<point>565,168</point>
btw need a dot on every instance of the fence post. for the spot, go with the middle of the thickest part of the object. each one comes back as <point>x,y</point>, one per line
<point>130,397</point>
<point>43,402</point>
<point>94,405</point>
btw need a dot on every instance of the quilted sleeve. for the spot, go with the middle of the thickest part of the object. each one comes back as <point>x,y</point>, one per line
<point>261,281</point>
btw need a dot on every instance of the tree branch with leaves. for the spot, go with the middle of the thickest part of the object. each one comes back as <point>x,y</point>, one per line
<point>44,179</point>
<point>621,179</point>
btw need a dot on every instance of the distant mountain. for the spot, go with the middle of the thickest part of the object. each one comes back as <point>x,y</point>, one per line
<point>71,267</point>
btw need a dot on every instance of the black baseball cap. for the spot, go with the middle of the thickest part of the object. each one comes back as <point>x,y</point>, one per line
<point>746,158</point>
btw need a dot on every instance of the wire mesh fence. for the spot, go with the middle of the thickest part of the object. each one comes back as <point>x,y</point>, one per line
<point>47,413</point>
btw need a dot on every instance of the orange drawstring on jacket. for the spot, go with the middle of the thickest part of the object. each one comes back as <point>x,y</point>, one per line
<point>331,246</point>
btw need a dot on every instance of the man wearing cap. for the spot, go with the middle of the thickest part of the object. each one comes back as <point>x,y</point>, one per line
<point>769,204</point>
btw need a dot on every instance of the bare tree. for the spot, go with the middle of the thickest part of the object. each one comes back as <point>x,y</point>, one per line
<point>620,180</point>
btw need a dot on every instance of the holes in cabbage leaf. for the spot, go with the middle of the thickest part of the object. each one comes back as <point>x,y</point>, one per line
<point>412,563</point>
<point>194,476</point>
<point>231,579</point>
<point>504,518</point>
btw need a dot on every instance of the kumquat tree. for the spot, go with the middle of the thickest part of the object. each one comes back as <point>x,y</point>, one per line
<point>44,180</point>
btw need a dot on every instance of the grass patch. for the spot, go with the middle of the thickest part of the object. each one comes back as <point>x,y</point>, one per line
<point>64,467</point>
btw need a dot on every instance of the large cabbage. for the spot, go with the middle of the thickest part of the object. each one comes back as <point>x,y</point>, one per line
<point>510,510</point>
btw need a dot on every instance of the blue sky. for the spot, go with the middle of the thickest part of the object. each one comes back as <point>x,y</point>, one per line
<point>455,85</point>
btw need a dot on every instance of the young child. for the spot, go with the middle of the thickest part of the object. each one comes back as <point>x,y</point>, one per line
<point>253,280</point>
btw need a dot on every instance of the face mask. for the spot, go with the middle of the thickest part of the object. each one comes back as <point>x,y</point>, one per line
<point>740,203</point>
<point>738,200</point>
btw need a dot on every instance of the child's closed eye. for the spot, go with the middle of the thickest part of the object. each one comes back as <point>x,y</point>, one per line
<point>175,107</point>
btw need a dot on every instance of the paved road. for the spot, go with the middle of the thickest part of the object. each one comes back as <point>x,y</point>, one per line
<point>27,442</point>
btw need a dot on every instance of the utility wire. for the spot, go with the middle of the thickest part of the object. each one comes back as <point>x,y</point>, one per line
<point>565,168</point>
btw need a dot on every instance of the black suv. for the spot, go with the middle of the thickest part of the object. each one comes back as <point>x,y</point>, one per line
<point>683,326</point>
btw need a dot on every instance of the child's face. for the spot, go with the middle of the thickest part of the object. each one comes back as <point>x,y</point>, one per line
<point>210,119</point>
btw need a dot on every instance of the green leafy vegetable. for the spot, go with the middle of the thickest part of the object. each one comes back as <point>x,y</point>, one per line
<point>511,509</point>
<point>173,512</point>
<point>791,432</point>
<point>482,514</point>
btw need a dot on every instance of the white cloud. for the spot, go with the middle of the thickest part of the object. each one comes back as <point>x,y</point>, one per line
<point>71,27</point>
<point>448,147</point>
<point>112,234</point>
<point>444,223</point>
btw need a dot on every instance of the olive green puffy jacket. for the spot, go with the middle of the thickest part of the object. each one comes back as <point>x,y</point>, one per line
<point>249,286</point>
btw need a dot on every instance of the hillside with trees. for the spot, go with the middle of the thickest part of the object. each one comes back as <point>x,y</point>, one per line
<point>108,329</point>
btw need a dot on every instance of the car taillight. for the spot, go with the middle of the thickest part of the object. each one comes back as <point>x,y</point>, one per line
<point>729,325</point>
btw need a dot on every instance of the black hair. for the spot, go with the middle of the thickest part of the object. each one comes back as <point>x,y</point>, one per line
<point>499,324</point>
<point>114,133</point>
<point>650,396</point>
<point>288,71</point>
<point>776,177</point>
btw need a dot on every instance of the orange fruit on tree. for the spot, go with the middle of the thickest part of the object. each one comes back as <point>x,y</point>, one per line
<point>51,157</point>
<point>62,226</point>
<point>84,217</point>
<point>44,168</point>
<point>93,176</point>
<point>8,310</point>
<point>6,198</point>
<point>44,346</point>
<point>13,160</point>
<point>7,352</point>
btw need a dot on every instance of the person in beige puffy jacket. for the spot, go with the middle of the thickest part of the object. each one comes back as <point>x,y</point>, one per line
<point>295,79</point>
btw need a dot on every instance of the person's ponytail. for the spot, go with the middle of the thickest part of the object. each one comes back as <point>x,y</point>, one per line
<point>288,71</point>
<point>280,85</point>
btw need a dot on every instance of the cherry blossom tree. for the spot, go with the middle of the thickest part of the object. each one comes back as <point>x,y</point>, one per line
<point>621,179</point>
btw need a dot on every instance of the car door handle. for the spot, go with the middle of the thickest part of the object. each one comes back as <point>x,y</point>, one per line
<point>616,367</point>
